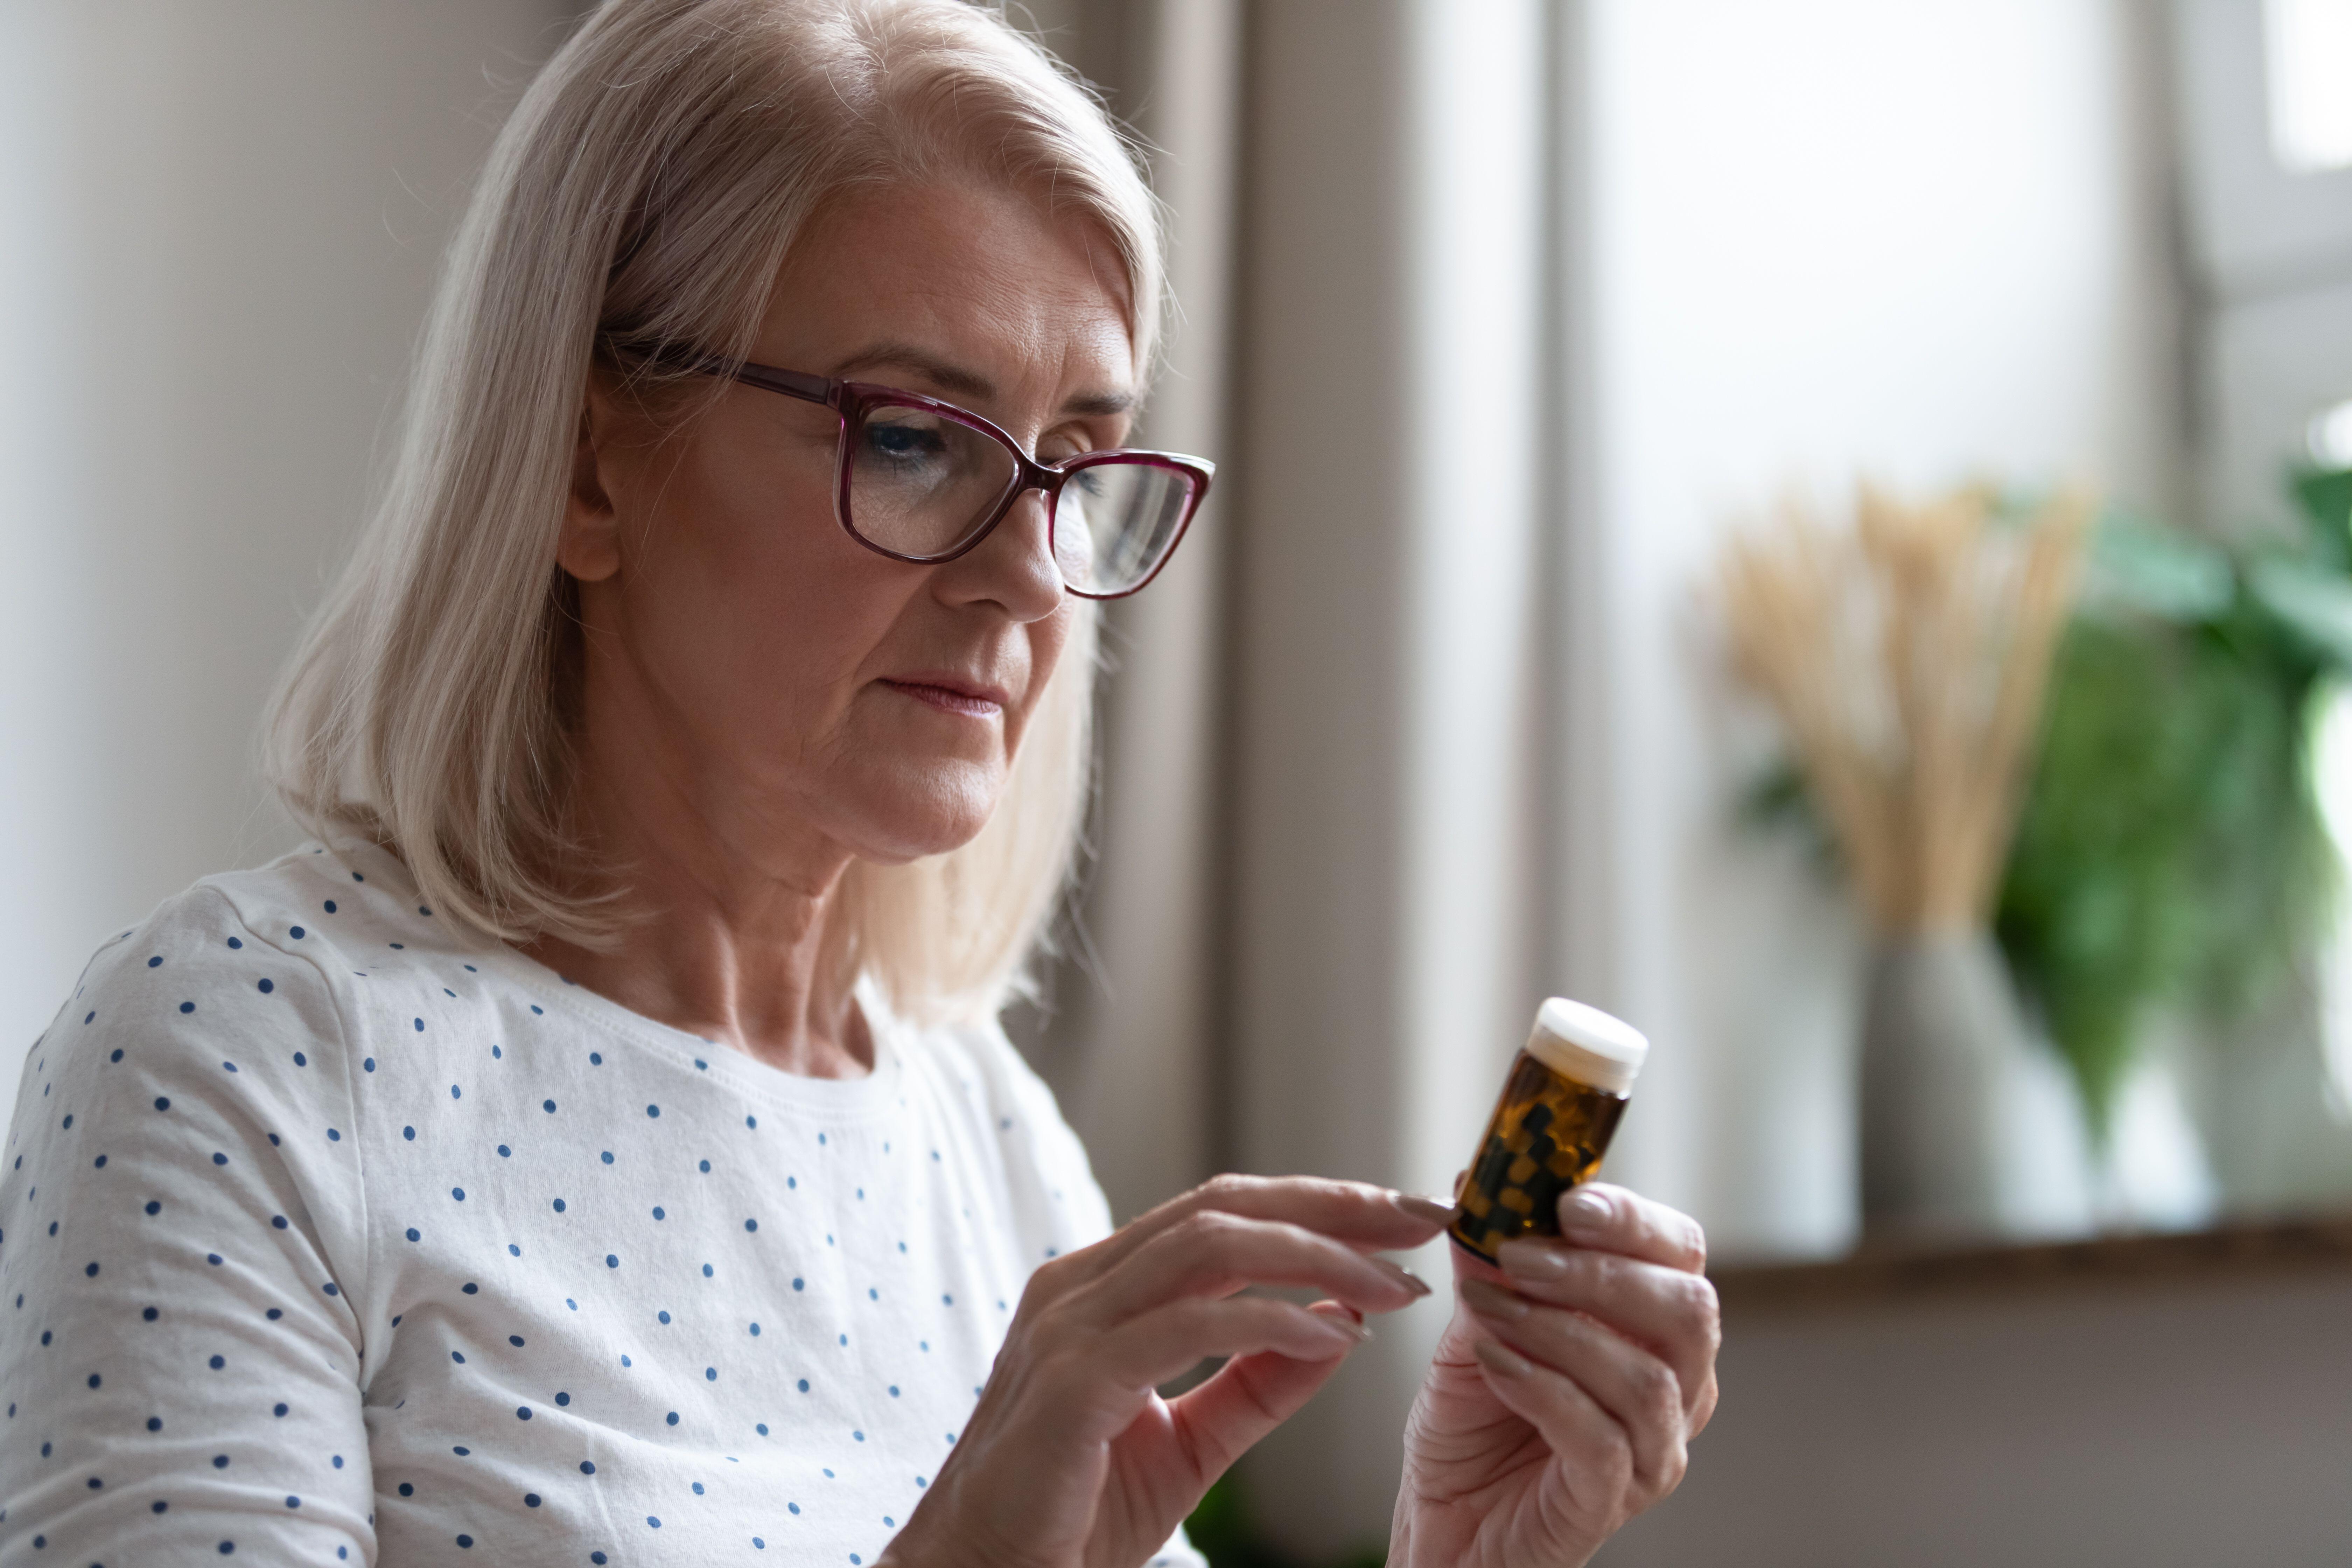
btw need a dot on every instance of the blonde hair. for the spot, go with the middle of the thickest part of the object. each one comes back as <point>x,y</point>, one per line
<point>644,196</point>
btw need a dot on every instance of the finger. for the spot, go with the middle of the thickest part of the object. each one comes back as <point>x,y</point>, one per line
<point>1593,1450</point>
<point>1212,1253</point>
<point>1249,1396</point>
<point>1672,1313</point>
<point>1147,1352</point>
<point>1639,1391</point>
<point>1367,1217</point>
<point>1611,1219</point>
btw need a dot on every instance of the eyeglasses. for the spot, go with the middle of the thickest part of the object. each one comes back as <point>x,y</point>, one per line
<point>925,482</point>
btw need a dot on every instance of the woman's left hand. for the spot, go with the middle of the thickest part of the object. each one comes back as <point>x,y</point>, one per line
<point>1563,1392</point>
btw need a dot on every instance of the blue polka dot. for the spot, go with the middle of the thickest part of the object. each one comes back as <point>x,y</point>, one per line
<point>458,1194</point>
<point>369,1064</point>
<point>187,1007</point>
<point>156,962</point>
<point>409,1133</point>
<point>267,986</point>
<point>548,1106</point>
<point>412,1235</point>
<point>611,1261</point>
<point>330,906</point>
<point>588,1468</point>
<point>420,1026</point>
<point>234,942</point>
<point>558,1205</point>
<point>608,1156</point>
<point>653,1110</point>
<point>295,931</point>
<point>800,1284</point>
<point>751,1224</point>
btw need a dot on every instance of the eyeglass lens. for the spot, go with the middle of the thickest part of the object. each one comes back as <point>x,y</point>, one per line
<point>919,484</point>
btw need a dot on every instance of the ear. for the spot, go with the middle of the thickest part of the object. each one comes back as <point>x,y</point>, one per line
<point>589,546</point>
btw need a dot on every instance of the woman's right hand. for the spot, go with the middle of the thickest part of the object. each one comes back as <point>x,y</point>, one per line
<point>1072,1459</point>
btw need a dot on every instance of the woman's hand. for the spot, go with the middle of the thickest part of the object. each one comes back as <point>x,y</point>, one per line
<point>1072,1458</point>
<point>1563,1392</point>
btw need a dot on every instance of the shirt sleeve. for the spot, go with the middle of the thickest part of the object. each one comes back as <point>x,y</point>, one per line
<point>182,1238</point>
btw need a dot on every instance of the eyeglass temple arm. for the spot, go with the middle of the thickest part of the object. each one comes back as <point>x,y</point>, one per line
<point>791,383</point>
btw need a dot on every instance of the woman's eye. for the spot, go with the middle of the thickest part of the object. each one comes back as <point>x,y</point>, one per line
<point>903,442</point>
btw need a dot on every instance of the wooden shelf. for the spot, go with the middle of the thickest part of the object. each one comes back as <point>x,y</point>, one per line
<point>1882,1276</point>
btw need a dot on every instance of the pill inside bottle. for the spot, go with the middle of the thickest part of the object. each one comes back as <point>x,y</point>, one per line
<point>1563,1097</point>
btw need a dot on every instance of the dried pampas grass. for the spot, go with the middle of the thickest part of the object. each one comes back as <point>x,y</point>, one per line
<point>1908,658</point>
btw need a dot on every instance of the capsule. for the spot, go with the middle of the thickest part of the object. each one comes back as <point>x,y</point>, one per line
<point>1565,1093</point>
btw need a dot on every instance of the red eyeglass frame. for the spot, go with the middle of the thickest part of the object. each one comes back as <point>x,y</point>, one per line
<point>851,400</point>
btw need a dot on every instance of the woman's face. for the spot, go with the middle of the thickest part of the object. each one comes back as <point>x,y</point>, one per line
<point>761,672</point>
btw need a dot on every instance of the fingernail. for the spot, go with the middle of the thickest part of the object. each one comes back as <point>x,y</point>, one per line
<point>1490,1299</point>
<point>1355,1330</point>
<point>1532,1259</point>
<point>1429,1211</point>
<point>1580,1210</point>
<point>1502,1358</point>
<point>1404,1277</point>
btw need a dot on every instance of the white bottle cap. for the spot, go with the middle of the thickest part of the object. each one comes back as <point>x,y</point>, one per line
<point>1588,1045</point>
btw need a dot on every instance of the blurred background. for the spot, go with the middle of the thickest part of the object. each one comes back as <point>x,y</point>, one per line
<point>1505,320</point>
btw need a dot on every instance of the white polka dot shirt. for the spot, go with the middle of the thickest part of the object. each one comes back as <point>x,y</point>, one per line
<point>328,1236</point>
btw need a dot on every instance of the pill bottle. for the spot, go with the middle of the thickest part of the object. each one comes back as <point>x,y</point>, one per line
<point>1566,1091</point>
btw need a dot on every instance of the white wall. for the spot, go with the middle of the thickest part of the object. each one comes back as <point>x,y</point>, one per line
<point>1825,237</point>
<point>222,225</point>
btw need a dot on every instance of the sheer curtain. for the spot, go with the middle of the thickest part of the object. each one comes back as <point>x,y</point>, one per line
<point>1315,925</point>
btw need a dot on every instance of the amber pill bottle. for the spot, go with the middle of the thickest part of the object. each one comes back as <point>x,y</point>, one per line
<point>1565,1091</point>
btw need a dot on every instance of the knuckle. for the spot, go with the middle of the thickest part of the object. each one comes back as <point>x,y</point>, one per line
<point>1616,1463</point>
<point>1227,1185</point>
<point>1672,1467</point>
<point>1703,1309</point>
<point>1206,1229</point>
<point>1658,1392</point>
<point>1694,1242</point>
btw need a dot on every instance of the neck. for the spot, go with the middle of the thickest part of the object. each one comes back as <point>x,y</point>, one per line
<point>732,931</point>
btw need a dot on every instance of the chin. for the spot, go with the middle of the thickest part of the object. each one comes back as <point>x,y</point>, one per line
<point>909,814</point>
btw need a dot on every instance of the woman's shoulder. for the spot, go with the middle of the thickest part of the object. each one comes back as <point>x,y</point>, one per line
<point>274,949</point>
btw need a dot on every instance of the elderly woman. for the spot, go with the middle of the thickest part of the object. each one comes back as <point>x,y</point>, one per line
<point>599,1147</point>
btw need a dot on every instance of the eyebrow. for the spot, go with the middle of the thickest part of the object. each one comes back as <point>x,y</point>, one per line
<point>959,382</point>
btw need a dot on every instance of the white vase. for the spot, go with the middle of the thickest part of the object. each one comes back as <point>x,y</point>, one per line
<point>1971,1130</point>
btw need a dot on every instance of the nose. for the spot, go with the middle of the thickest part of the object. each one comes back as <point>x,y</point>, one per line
<point>1013,567</point>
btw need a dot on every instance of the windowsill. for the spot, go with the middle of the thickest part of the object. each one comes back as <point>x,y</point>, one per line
<point>1893,1276</point>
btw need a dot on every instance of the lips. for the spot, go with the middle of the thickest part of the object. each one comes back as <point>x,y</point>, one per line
<point>954,694</point>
